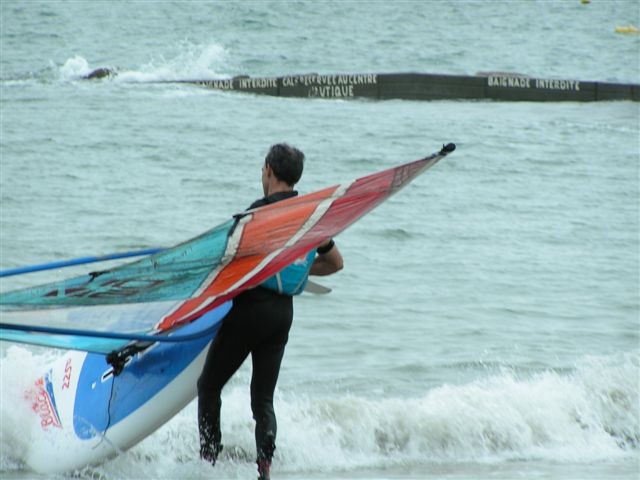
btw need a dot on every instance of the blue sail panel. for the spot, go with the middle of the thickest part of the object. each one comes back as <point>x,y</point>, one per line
<point>124,318</point>
<point>109,340</point>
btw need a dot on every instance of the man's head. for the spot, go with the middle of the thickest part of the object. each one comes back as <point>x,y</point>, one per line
<point>283,162</point>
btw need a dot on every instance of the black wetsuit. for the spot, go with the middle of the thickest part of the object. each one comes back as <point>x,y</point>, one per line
<point>258,324</point>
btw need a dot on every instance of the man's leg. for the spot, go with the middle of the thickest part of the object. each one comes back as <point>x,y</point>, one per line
<point>225,356</point>
<point>266,367</point>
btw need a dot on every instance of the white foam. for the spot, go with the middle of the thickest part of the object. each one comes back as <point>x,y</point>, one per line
<point>192,62</point>
<point>586,415</point>
<point>75,68</point>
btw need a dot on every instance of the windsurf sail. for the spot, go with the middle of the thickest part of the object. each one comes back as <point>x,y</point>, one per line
<point>152,297</point>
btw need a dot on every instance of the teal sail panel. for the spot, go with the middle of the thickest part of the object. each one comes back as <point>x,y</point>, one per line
<point>173,274</point>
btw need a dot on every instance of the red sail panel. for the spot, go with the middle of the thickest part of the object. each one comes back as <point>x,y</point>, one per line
<point>358,199</point>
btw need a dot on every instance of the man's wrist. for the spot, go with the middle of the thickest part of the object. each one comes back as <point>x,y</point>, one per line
<point>326,248</point>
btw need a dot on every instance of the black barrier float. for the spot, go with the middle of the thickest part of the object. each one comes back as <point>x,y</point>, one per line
<point>499,86</point>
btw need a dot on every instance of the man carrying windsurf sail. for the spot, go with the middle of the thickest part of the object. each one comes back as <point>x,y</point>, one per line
<point>259,323</point>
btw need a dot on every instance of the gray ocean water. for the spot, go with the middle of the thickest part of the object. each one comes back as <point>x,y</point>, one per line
<point>486,324</point>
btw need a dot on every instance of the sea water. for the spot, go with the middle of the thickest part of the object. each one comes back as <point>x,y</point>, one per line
<point>486,324</point>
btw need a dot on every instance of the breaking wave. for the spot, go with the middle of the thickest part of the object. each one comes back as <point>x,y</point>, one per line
<point>192,62</point>
<point>587,415</point>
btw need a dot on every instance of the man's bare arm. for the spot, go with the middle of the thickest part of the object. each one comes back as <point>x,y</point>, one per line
<point>328,262</point>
